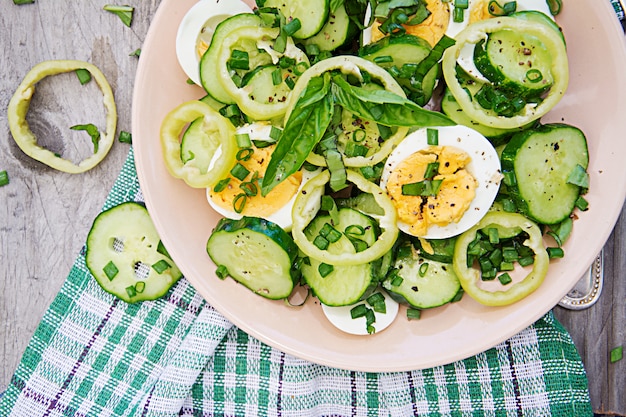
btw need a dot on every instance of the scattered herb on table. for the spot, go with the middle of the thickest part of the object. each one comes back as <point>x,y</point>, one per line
<point>83,75</point>
<point>125,137</point>
<point>123,12</point>
<point>617,354</point>
<point>93,132</point>
<point>20,2</point>
<point>4,178</point>
<point>136,52</point>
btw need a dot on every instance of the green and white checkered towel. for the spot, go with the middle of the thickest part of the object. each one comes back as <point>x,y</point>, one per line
<point>94,355</point>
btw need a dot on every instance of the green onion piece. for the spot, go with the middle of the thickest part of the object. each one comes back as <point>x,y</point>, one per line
<point>495,257</point>
<point>221,185</point>
<point>555,6</point>
<point>136,52</point>
<point>507,266</point>
<point>526,260</point>
<point>354,230</point>
<point>432,169</point>
<point>321,242</point>
<point>358,311</point>
<point>110,270</point>
<point>327,203</point>
<point>354,149</point>
<point>243,140</point>
<point>93,132</point>
<point>239,60</point>
<point>458,15</point>
<point>359,244</point>
<point>397,280</point>
<point>4,178</point>
<point>496,10</point>
<point>250,189</point>
<point>312,49</point>
<point>423,269</point>
<point>534,75</point>
<point>239,171</point>
<point>20,2</point>
<point>244,154</point>
<point>140,286</point>
<point>617,354</point>
<point>125,137</point>
<point>300,68</point>
<point>190,81</point>
<point>359,135</point>
<point>413,314</point>
<point>325,269</point>
<point>292,27</point>
<point>461,4</point>
<point>370,318</point>
<point>555,253</point>
<point>432,137</point>
<point>161,249</point>
<point>423,188</point>
<point>509,254</point>
<point>494,237</point>
<point>561,231</point>
<point>508,205</point>
<point>131,291</point>
<point>83,75</point>
<point>375,298</point>
<point>290,83</point>
<point>505,279</point>
<point>509,178</point>
<point>338,175</point>
<point>275,133</point>
<point>579,177</point>
<point>385,59</point>
<point>330,233</point>
<point>277,76</point>
<point>221,272</point>
<point>125,13</point>
<point>581,203</point>
<point>239,202</point>
<point>161,266</point>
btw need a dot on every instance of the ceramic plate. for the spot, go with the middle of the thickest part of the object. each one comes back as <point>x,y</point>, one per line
<point>595,102</point>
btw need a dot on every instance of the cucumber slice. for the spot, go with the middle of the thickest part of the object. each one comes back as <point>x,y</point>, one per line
<point>515,60</point>
<point>336,32</point>
<point>424,283</point>
<point>208,62</point>
<point>197,146</point>
<point>313,14</point>
<point>124,256</point>
<point>541,160</point>
<point>345,285</point>
<point>257,253</point>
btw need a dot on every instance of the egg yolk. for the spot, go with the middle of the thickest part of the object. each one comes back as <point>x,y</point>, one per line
<point>258,205</point>
<point>457,190</point>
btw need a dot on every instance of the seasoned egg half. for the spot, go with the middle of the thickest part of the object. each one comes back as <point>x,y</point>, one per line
<point>277,205</point>
<point>467,177</point>
<point>196,30</point>
<point>341,317</point>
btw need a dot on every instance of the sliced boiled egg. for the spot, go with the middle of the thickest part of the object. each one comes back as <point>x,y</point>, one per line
<point>238,198</point>
<point>196,30</point>
<point>341,317</point>
<point>467,176</point>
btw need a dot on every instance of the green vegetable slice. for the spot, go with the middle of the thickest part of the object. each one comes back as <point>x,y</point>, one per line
<point>122,248</point>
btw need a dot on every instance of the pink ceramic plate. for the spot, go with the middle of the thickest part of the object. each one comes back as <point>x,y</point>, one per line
<point>595,102</point>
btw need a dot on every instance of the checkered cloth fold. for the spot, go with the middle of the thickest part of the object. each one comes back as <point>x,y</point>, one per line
<point>94,355</point>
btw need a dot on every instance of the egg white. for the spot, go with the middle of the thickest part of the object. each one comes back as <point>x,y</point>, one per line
<point>340,317</point>
<point>484,167</point>
<point>260,131</point>
<point>204,14</point>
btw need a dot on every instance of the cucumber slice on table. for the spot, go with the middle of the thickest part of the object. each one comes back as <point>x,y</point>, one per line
<point>541,161</point>
<point>257,253</point>
<point>126,257</point>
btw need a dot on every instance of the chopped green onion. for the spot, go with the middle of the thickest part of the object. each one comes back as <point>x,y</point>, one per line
<point>221,185</point>
<point>385,59</point>
<point>125,13</point>
<point>290,82</point>
<point>239,60</point>
<point>93,132</point>
<point>140,286</point>
<point>354,149</point>
<point>243,140</point>
<point>136,52</point>
<point>505,279</point>
<point>300,68</point>
<point>338,175</point>
<point>561,231</point>
<point>526,261</point>
<point>555,253</point>
<point>110,270</point>
<point>161,249</point>
<point>312,49</point>
<point>555,6</point>
<point>239,171</point>
<point>221,272</point>
<point>292,27</point>
<point>432,137</point>
<point>330,233</point>
<point>161,266</point>
<point>413,314</point>
<point>432,169</point>
<point>581,203</point>
<point>275,133</point>
<point>354,230</point>
<point>4,178</point>
<point>239,202</point>
<point>131,291</point>
<point>579,177</point>
<point>509,178</point>
<point>250,189</point>
<point>359,135</point>
<point>397,280</point>
<point>534,75</point>
<point>359,244</point>
<point>423,269</point>
<point>277,76</point>
<point>617,354</point>
<point>458,15</point>
<point>422,188</point>
<point>20,2</point>
<point>321,242</point>
<point>325,269</point>
<point>358,311</point>
<point>496,10</point>
<point>83,75</point>
<point>244,154</point>
<point>509,254</point>
<point>125,137</point>
<point>507,266</point>
<point>494,237</point>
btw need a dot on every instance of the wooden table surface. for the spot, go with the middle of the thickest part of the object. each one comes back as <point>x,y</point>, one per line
<point>45,214</point>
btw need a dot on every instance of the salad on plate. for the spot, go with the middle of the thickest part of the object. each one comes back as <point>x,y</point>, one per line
<point>379,153</point>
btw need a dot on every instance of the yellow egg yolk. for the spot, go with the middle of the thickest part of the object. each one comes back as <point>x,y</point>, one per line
<point>457,190</point>
<point>258,205</point>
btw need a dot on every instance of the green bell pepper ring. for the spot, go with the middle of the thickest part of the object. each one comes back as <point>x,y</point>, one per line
<point>308,203</point>
<point>470,277</point>
<point>473,34</point>
<point>216,127</point>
